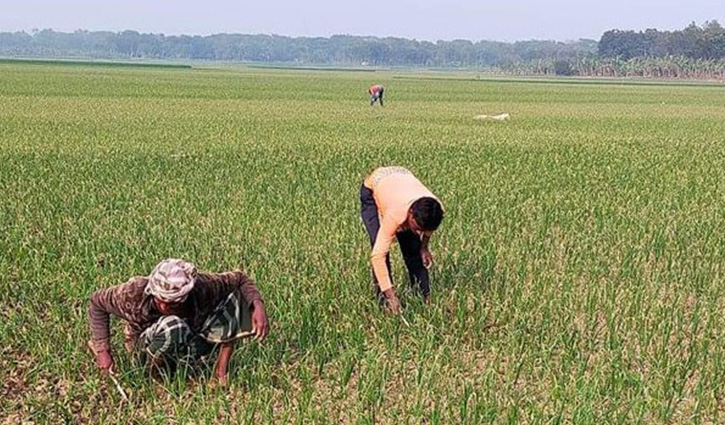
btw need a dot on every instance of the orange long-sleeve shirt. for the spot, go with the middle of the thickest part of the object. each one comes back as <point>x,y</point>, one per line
<point>394,190</point>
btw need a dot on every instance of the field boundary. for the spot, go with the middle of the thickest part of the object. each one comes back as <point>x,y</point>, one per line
<point>110,64</point>
<point>569,80</point>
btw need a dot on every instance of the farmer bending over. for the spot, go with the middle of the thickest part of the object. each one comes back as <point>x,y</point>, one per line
<point>376,93</point>
<point>178,315</point>
<point>395,205</point>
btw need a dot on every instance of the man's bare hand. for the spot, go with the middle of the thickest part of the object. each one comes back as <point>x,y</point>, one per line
<point>222,380</point>
<point>260,324</point>
<point>427,258</point>
<point>104,361</point>
<point>391,302</point>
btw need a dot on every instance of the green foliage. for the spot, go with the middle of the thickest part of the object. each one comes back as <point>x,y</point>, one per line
<point>694,42</point>
<point>563,68</point>
<point>336,50</point>
<point>578,274</point>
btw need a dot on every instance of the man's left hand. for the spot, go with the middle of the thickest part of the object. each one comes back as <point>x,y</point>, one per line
<point>260,324</point>
<point>427,258</point>
<point>222,379</point>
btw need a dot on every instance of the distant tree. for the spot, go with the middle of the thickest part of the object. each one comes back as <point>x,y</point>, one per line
<point>563,67</point>
<point>706,42</point>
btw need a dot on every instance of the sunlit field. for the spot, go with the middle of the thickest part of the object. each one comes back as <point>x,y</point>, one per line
<point>578,273</point>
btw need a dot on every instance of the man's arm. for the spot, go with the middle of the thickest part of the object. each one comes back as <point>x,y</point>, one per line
<point>383,240</point>
<point>99,315</point>
<point>221,371</point>
<point>103,303</point>
<point>424,252</point>
<point>425,239</point>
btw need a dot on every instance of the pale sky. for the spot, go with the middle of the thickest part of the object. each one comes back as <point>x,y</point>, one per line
<point>503,20</point>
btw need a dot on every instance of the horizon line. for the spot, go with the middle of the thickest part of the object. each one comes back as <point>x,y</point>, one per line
<point>161,33</point>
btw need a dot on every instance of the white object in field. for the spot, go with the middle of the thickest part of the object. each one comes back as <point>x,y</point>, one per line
<point>499,117</point>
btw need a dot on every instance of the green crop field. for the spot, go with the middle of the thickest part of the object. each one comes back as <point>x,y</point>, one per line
<point>578,275</point>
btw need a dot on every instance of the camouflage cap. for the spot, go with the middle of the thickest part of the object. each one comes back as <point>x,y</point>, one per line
<point>171,280</point>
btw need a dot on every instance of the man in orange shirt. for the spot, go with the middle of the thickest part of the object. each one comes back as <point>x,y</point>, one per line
<point>376,93</point>
<point>396,205</point>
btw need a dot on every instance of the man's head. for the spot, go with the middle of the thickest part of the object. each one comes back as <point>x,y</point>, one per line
<point>170,283</point>
<point>425,215</point>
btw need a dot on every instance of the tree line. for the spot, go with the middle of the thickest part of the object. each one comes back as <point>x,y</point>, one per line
<point>706,42</point>
<point>694,52</point>
<point>335,50</point>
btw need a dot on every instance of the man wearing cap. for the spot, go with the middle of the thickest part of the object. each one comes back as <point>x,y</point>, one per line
<point>395,205</point>
<point>177,314</point>
<point>376,93</point>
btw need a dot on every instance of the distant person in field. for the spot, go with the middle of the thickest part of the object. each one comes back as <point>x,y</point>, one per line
<point>376,93</point>
<point>177,316</point>
<point>396,205</point>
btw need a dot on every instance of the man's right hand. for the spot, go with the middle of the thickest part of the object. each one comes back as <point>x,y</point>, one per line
<point>104,361</point>
<point>391,302</point>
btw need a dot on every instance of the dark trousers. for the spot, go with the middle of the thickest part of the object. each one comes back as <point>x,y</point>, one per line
<point>375,97</point>
<point>408,240</point>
